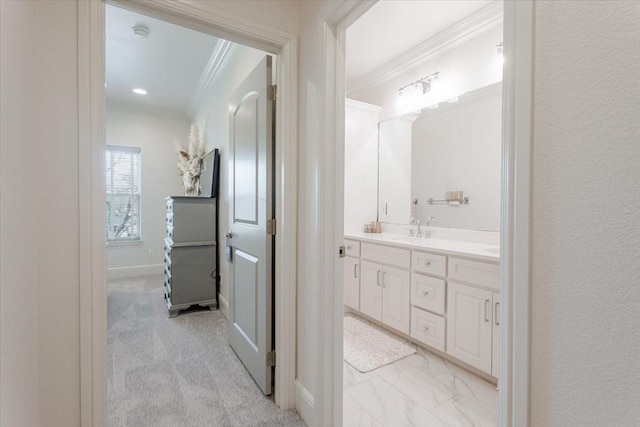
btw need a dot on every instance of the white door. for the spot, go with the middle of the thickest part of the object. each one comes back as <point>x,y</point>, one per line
<point>371,289</point>
<point>469,325</point>
<point>351,282</point>
<point>250,207</point>
<point>396,294</point>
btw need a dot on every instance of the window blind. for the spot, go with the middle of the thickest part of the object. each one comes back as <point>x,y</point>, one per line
<point>123,181</point>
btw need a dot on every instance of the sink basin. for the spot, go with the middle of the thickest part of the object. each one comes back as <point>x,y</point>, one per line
<point>492,250</point>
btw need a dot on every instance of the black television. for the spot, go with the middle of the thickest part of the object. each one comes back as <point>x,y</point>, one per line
<point>210,175</point>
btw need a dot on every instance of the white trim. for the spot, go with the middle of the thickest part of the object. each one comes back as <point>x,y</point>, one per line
<point>134,271</point>
<point>463,30</point>
<point>305,404</point>
<point>363,105</point>
<point>91,215</point>
<point>218,60</point>
<point>203,18</point>
<point>145,110</point>
<point>224,306</point>
<point>329,390</point>
<point>516,212</point>
<point>517,100</point>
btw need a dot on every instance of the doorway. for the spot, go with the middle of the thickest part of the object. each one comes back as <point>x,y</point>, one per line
<point>94,297</point>
<point>167,83</point>
<point>514,257</point>
<point>424,117</point>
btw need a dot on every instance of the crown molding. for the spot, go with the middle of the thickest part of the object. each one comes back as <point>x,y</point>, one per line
<point>217,61</point>
<point>363,105</point>
<point>478,22</point>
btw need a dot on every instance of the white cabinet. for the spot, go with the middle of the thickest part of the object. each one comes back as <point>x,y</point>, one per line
<point>446,302</point>
<point>396,291</point>
<point>428,328</point>
<point>497,318</point>
<point>371,289</point>
<point>351,282</point>
<point>470,326</point>
<point>385,295</point>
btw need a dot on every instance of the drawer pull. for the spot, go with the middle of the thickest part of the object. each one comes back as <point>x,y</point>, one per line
<point>486,310</point>
<point>425,293</point>
<point>378,278</point>
<point>349,247</point>
<point>383,276</point>
<point>425,328</point>
<point>427,263</point>
<point>496,314</point>
<point>355,271</point>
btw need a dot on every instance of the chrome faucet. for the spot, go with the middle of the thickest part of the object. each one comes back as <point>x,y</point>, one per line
<point>415,221</point>
<point>427,234</point>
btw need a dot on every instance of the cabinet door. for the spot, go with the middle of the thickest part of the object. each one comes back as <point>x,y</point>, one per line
<point>497,318</point>
<point>371,289</point>
<point>396,295</point>
<point>351,282</point>
<point>469,325</point>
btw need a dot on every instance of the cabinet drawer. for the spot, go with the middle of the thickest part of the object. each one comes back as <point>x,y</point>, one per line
<point>428,293</point>
<point>428,328</point>
<point>387,255</point>
<point>476,272</point>
<point>426,262</point>
<point>352,247</point>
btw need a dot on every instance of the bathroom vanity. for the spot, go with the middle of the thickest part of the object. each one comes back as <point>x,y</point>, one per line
<point>441,294</point>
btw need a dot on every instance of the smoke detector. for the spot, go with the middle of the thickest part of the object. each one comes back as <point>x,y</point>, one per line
<point>140,31</point>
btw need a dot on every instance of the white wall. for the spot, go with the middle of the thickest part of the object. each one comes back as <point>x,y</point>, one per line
<point>586,215</point>
<point>39,286</point>
<point>456,148</point>
<point>39,268</point>
<point>212,118</point>
<point>360,165</point>
<point>466,67</point>
<point>155,137</point>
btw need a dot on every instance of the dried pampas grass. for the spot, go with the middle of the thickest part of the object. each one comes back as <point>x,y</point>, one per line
<point>190,161</point>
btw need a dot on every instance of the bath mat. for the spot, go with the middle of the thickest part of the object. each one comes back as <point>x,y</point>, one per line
<point>366,348</point>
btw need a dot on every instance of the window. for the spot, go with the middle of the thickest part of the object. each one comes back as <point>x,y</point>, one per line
<point>123,193</point>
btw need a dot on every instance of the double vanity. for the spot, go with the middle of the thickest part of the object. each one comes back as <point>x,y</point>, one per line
<point>441,294</point>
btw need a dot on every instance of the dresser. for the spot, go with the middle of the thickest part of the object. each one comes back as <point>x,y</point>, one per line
<point>190,261</point>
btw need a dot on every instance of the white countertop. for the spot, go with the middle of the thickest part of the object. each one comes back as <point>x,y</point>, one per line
<point>450,247</point>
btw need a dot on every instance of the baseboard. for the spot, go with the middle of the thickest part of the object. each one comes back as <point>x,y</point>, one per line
<point>224,306</point>
<point>135,271</point>
<point>305,405</point>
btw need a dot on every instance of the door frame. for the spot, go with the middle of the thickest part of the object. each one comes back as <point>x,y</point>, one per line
<point>515,212</point>
<point>91,127</point>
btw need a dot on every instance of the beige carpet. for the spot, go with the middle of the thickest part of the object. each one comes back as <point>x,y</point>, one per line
<point>367,348</point>
<point>177,372</point>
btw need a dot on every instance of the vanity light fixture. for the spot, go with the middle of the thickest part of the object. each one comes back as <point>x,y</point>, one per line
<point>139,91</point>
<point>423,84</point>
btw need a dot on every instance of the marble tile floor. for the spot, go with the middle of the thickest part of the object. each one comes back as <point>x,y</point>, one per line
<point>420,390</point>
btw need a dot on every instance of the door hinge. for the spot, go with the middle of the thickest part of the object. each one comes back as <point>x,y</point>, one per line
<point>271,227</point>
<point>271,358</point>
<point>342,251</point>
<point>272,92</point>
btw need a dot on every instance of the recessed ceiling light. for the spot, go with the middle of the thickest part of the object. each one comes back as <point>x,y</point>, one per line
<point>140,91</point>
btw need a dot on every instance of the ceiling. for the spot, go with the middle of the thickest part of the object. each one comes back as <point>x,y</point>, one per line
<point>392,27</point>
<point>167,64</point>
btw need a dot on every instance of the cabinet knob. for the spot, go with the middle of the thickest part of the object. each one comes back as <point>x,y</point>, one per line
<point>427,263</point>
<point>425,293</point>
<point>425,328</point>
<point>349,247</point>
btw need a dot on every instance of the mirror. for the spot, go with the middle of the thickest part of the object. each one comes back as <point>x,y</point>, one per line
<point>453,146</point>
